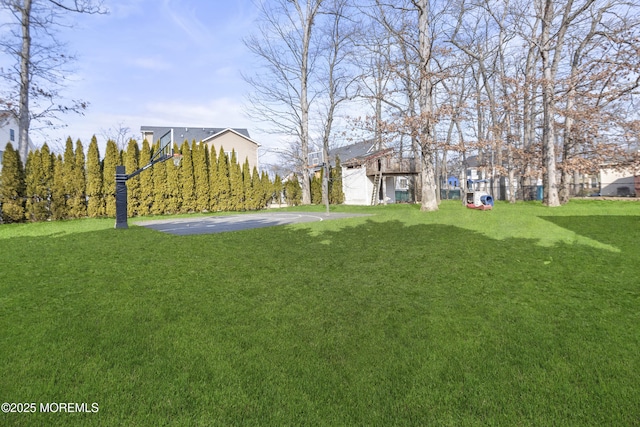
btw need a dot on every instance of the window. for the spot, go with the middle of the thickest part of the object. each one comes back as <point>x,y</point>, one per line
<point>1,153</point>
<point>403,183</point>
<point>12,135</point>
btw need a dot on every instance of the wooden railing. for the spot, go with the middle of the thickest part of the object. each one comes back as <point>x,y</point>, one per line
<point>394,166</point>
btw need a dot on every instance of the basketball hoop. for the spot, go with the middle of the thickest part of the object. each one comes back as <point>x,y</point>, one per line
<point>177,158</point>
<point>315,159</point>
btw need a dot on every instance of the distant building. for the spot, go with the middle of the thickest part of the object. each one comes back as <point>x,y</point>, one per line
<point>619,182</point>
<point>373,175</point>
<point>9,134</point>
<point>228,138</point>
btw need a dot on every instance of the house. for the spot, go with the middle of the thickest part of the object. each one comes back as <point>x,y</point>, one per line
<point>478,168</point>
<point>228,138</point>
<point>617,178</point>
<point>619,182</point>
<point>9,133</point>
<point>372,175</point>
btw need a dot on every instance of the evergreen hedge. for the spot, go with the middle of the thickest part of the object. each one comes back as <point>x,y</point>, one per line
<point>61,186</point>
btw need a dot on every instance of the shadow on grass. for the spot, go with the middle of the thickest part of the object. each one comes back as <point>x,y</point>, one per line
<point>55,228</point>
<point>375,324</point>
<point>619,231</point>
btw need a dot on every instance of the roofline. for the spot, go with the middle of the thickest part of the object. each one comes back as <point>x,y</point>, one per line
<point>385,152</point>
<point>230,130</point>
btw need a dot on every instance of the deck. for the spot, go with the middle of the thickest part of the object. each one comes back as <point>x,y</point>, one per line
<point>391,166</point>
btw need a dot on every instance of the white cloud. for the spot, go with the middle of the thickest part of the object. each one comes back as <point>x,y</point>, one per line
<point>221,112</point>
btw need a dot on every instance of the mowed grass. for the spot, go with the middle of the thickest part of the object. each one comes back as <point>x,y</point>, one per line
<point>523,315</point>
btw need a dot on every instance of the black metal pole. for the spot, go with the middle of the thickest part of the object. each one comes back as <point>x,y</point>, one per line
<point>121,197</point>
<point>121,188</point>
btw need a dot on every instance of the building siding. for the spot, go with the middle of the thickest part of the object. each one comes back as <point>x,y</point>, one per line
<point>244,148</point>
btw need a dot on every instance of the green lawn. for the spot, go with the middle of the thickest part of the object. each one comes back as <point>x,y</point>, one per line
<point>523,315</point>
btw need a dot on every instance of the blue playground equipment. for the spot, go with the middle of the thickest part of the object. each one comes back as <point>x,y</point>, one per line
<point>478,198</point>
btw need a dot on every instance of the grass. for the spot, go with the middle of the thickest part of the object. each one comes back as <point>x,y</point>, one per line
<point>523,315</point>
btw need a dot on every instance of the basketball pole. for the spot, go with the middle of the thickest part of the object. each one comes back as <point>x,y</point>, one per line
<point>121,197</point>
<point>121,189</point>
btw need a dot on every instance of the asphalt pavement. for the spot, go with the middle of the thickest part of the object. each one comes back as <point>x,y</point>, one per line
<point>226,223</point>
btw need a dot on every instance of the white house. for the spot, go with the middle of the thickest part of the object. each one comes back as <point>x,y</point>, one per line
<point>371,175</point>
<point>619,182</point>
<point>9,134</point>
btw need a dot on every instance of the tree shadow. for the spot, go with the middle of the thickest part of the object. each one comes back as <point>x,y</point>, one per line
<point>622,232</point>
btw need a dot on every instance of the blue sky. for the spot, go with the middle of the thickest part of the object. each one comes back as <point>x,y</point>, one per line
<point>160,62</point>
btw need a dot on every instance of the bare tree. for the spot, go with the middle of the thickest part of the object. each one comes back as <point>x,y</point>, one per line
<point>374,64</point>
<point>411,25</point>
<point>554,82</point>
<point>425,131</point>
<point>481,32</point>
<point>533,87</point>
<point>556,22</point>
<point>337,79</point>
<point>120,134</point>
<point>284,46</point>
<point>42,63</point>
<point>598,89</point>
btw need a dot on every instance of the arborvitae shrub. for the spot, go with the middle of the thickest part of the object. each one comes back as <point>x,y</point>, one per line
<point>335,184</point>
<point>236,199</point>
<point>95,204</point>
<point>111,160</point>
<point>146,180</point>
<point>12,186</point>
<point>224,186</point>
<point>132,163</point>
<point>77,196</point>
<point>292,192</point>
<point>201,177</point>
<point>187,181</point>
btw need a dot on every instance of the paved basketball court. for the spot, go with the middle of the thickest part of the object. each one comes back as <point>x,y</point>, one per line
<point>221,224</point>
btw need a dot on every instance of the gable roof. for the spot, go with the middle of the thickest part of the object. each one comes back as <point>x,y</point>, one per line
<point>182,133</point>
<point>6,116</point>
<point>349,152</point>
<point>8,120</point>
<point>244,135</point>
<point>357,153</point>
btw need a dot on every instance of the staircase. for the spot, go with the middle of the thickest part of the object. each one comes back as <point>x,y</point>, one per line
<point>376,188</point>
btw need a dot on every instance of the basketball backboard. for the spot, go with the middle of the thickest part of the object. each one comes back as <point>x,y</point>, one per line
<point>165,147</point>
<point>315,159</point>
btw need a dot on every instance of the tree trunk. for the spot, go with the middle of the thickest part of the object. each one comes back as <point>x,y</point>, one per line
<point>429,200</point>
<point>25,62</point>
<point>304,125</point>
<point>307,19</point>
<point>548,106</point>
<point>529,106</point>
